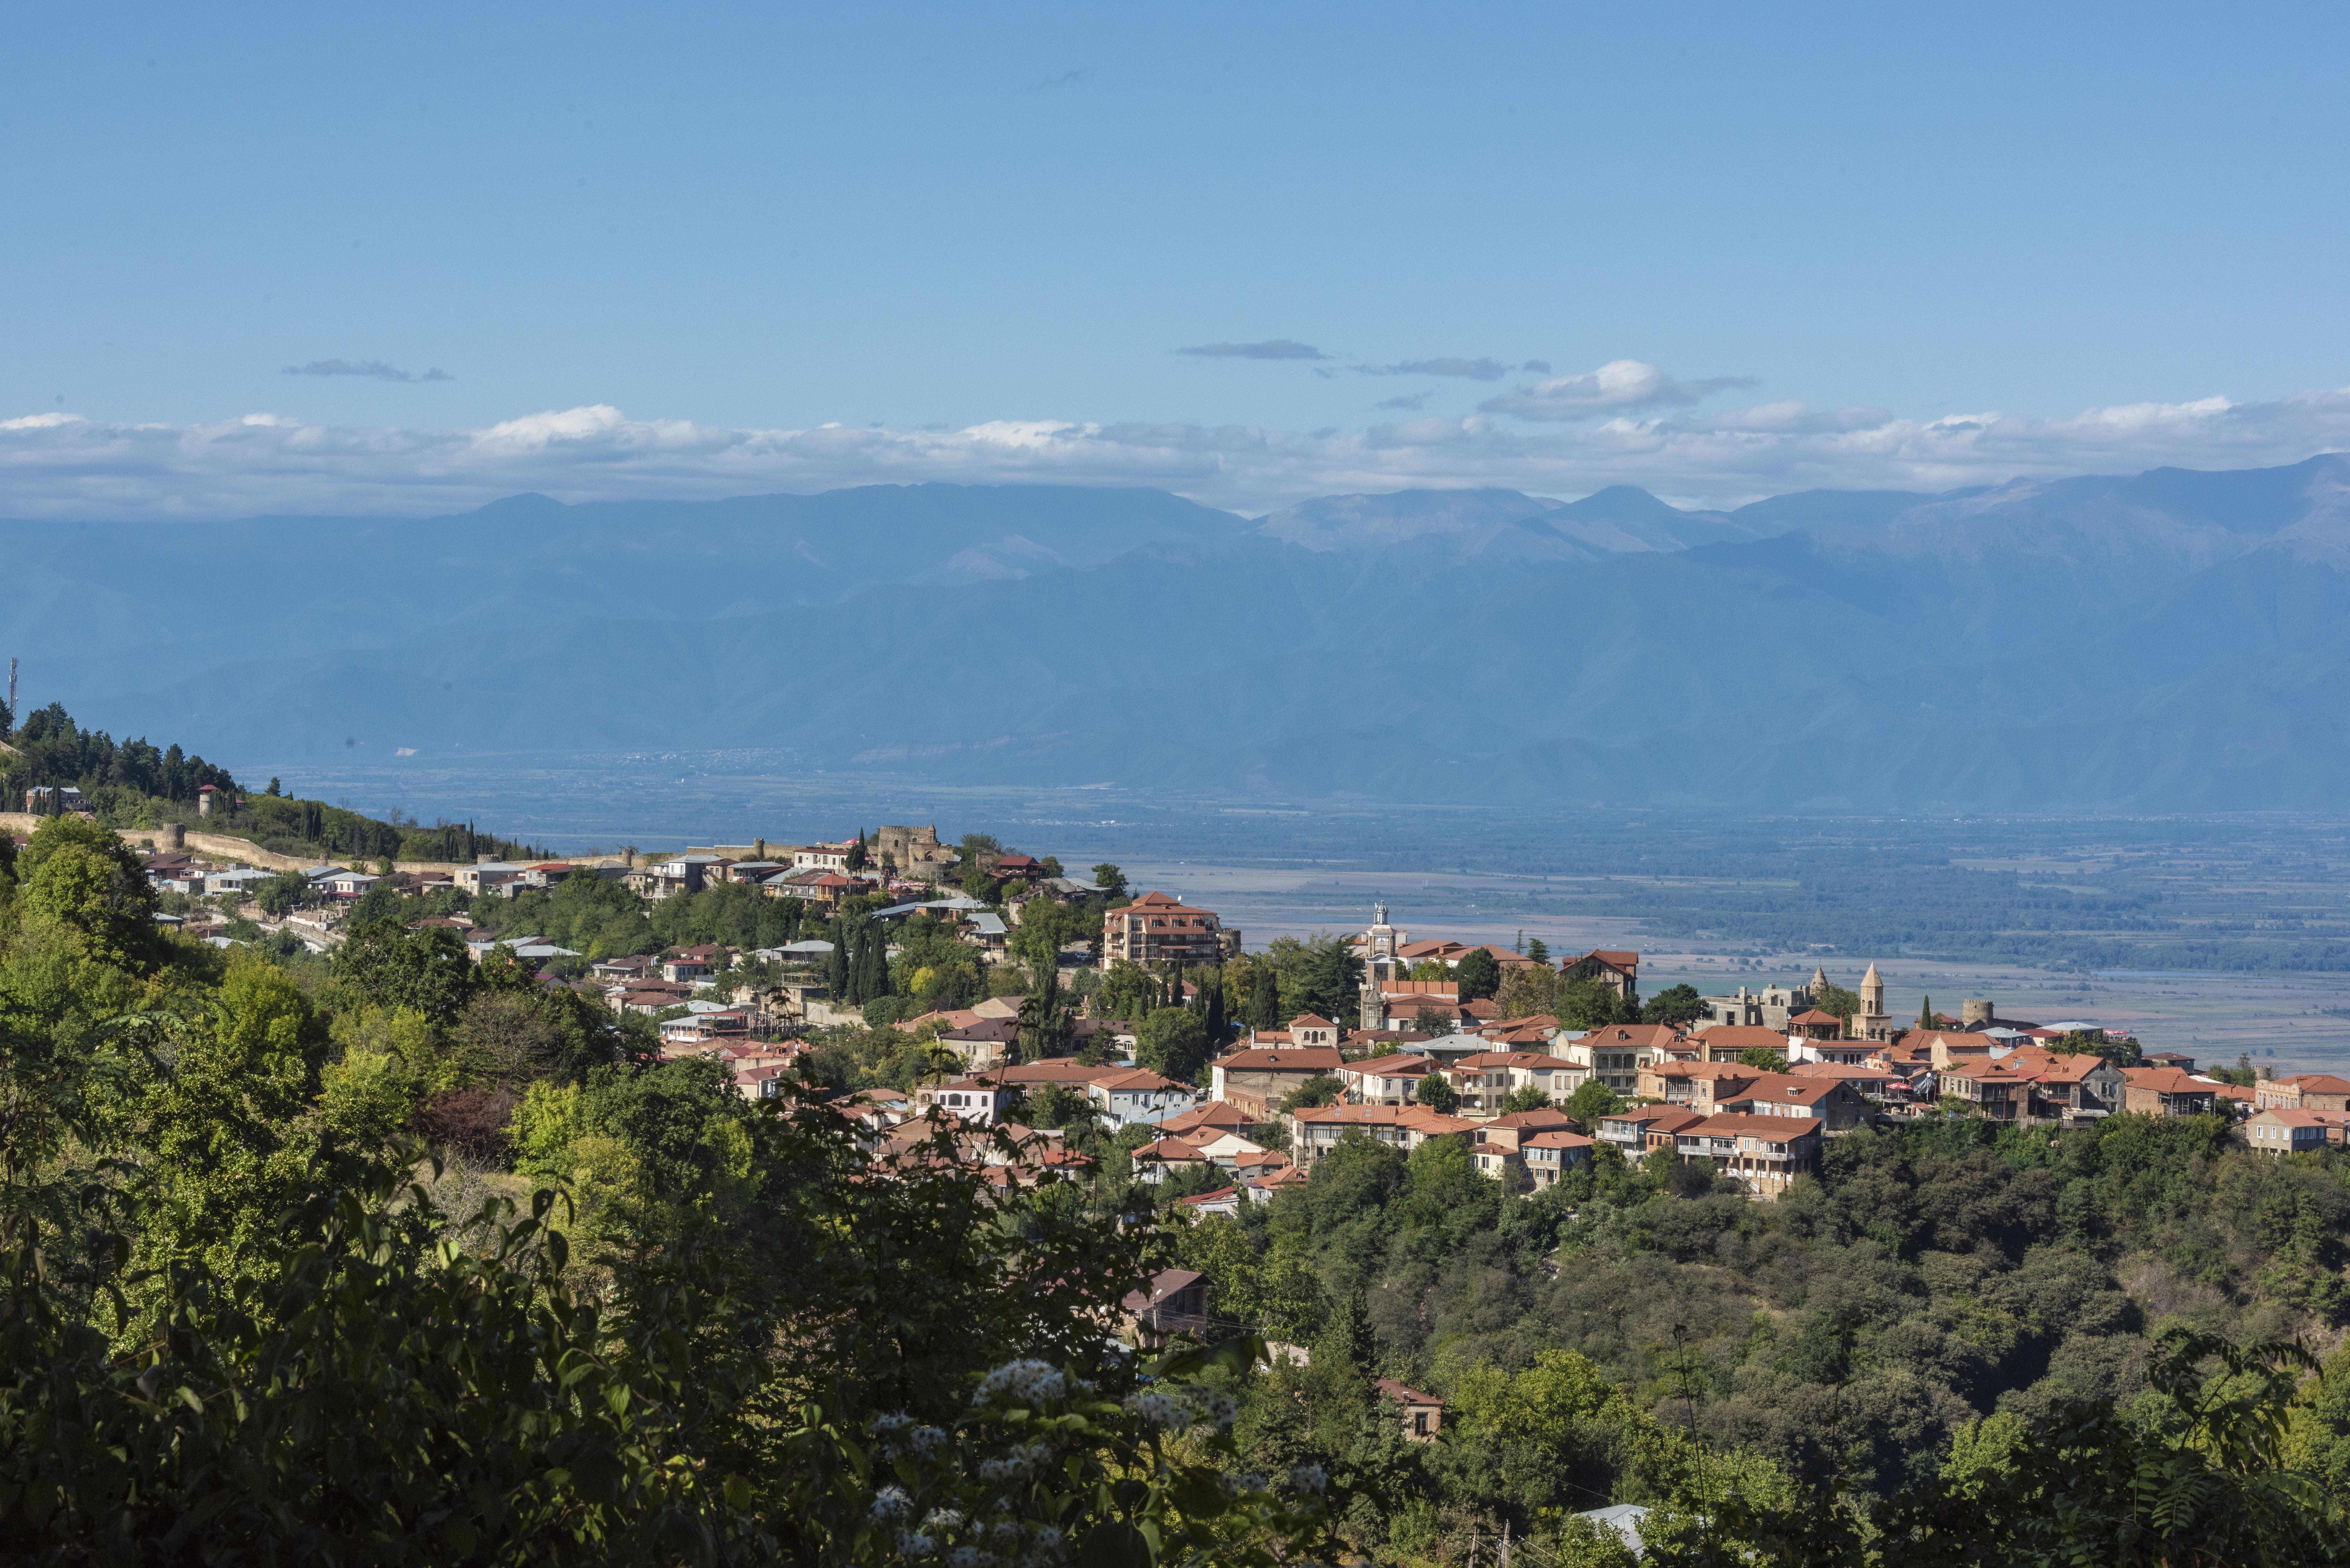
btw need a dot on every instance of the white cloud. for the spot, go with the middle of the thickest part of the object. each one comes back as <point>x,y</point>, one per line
<point>68,466</point>
<point>1619,384</point>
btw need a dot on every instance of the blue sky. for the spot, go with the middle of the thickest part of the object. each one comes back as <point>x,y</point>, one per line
<point>660,249</point>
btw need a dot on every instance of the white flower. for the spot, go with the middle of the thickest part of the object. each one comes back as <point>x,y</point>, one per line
<point>890,1502</point>
<point>883,1425</point>
<point>923,1439</point>
<point>1005,1530</point>
<point>967,1557</point>
<point>909,1544</point>
<point>1308,1478</point>
<point>1222,1410</point>
<point>942,1519</point>
<point>1036,1382</point>
<point>1152,1406</point>
<point>1046,1535</point>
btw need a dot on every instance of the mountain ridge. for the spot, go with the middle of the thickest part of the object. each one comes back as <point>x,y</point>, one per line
<point>2168,641</point>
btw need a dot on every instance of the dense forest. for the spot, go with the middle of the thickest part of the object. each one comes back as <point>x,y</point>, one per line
<point>395,1258</point>
<point>133,785</point>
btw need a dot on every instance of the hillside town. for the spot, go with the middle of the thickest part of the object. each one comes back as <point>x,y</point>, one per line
<point>1536,1064</point>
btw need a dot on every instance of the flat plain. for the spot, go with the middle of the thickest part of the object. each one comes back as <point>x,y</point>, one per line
<point>2216,936</point>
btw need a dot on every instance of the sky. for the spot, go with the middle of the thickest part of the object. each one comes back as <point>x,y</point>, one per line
<point>408,260</point>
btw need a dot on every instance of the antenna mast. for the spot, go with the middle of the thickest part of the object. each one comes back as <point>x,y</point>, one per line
<point>12,688</point>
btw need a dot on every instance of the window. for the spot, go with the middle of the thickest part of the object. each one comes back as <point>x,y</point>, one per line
<point>1419,1423</point>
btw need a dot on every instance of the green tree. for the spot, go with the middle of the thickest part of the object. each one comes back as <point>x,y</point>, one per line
<point>1591,1101</point>
<point>1836,1000</point>
<point>1538,951</point>
<point>1322,1089</point>
<point>1172,1042</point>
<point>1325,978</point>
<point>281,895</point>
<point>1676,1004</point>
<point>1437,1092</point>
<point>1109,879</point>
<point>387,966</point>
<point>1528,1099</point>
<point>1588,1005</point>
<point>1478,974</point>
<point>1762,1056</point>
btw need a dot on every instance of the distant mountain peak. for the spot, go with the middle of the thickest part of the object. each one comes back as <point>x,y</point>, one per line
<point>530,503</point>
<point>1619,502</point>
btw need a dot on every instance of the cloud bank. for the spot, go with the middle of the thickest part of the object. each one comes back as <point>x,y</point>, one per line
<point>1620,384</point>
<point>1474,370</point>
<point>376,368</point>
<point>1272,348</point>
<point>58,466</point>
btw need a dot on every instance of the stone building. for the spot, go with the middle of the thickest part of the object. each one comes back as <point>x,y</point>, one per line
<point>1770,1008</point>
<point>1872,1021</point>
<point>1158,928</point>
<point>914,853</point>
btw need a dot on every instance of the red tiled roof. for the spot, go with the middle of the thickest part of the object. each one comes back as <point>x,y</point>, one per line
<point>2166,1081</point>
<point>1420,1119</point>
<point>1294,1059</point>
<point>1778,1129</point>
<point>1389,1388</point>
<point>1169,1149</point>
<point>2318,1083</point>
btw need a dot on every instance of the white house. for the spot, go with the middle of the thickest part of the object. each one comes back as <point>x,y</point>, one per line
<point>975,1099</point>
<point>1139,1097</point>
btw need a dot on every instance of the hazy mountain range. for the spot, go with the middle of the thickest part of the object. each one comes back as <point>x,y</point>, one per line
<point>2178,640</point>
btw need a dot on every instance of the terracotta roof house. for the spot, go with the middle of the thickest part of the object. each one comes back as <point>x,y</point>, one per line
<point>2281,1130</point>
<point>1132,1095</point>
<point>1495,1075</point>
<point>1156,927</point>
<point>1214,1116</point>
<point>1703,1085</point>
<point>1224,1201</point>
<point>1640,1128</point>
<point>1256,1079</point>
<point>1175,1302</point>
<point>2165,1092</point>
<point>1405,1127</point>
<point>1615,1053</point>
<point>1814,1025</point>
<point>1765,1153</point>
<point>2085,1081</point>
<point>1989,1086</point>
<point>1618,970</point>
<point>1154,1162</point>
<point>1423,1414</point>
<point>1512,1144</point>
<point>1724,1042</point>
<point>1385,1080</point>
<point>2303,1092</point>
<point>1834,1104</point>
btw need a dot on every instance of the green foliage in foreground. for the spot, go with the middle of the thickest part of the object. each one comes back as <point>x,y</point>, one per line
<point>245,1318</point>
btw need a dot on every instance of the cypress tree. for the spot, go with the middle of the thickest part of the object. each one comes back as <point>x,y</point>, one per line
<point>1215,1010</point>
<point>1264,1006</point>
<point>836,963</point>
<point>1925,1013</point>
